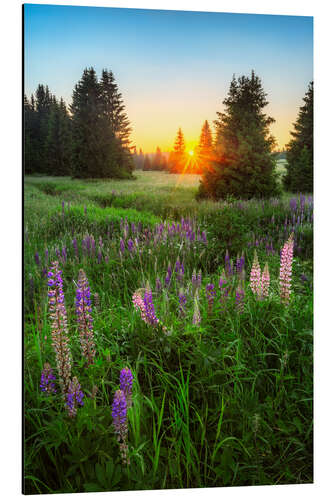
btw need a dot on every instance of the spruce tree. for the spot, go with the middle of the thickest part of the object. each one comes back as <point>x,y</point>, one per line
<point>147,163</point>
<point>204,151</point>
<point>243,166</point>
<point>177,156</point>
<point>59,140</point>
<point>299,176</point>
<point>96,151</point>
<point>158,162</point>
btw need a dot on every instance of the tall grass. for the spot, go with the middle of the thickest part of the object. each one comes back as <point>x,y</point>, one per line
<point>224,402</point>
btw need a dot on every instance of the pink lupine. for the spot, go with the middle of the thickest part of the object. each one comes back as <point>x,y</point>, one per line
<point>286,269</point>
<point>139,305</point>
<point>265,279</point>
<point>255,276</point>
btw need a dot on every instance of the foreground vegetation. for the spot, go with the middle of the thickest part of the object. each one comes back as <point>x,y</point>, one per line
<point>222,389</point>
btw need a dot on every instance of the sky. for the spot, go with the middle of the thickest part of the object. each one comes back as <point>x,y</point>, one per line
<point>173,68</point>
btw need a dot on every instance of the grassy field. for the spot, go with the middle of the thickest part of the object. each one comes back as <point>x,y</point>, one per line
<point>222,377</point>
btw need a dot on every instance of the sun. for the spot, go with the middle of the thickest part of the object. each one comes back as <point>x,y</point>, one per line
<point>191,152</point>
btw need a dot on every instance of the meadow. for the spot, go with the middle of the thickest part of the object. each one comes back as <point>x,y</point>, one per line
<point>220,352</point>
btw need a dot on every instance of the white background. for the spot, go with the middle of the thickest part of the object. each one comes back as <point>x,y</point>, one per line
<point>10,246</point>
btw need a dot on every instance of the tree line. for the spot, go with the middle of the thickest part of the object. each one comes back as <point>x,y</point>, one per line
<point>90,139</point>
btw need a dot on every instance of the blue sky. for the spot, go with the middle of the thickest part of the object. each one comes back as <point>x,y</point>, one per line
<point>172,67</point>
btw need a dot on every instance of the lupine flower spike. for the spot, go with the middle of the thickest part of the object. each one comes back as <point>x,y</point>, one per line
<point>74,397</point>
<point>239,299</point>
<point>119,417</point>
<point>286,269</point>
<point>196,314</point>
<point>265,278</point>
<point>84,318</point>
<point>59,331</point>
<point>47,380</point>
<point>255,276</point>
<point>126,382</point>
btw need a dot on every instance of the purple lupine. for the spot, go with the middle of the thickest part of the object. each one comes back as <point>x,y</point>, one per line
<point>210,294</point>
<point>204,237</point>
<point>240,262</point>
<point>126,382</point>
<point>47,380</point>
<point>119,417</point>
<point>57,251</point>
<point>130,245</point>
<point>122,246</point>
<point>59,330</point>
<point>182,302</point>
<point>93,246</point>
<point>224,289</point>
<point>74,397</point>
<point>168,276</point>
<point>99,257</point>
<point>37,259</point>
<point>149,307</point>
<point>84,318</point>
<point>239,298</point>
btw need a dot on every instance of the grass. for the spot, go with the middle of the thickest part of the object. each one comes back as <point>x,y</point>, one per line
<point>224,402</point>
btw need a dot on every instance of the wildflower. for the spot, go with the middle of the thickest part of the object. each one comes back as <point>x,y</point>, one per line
<point>47,380</point>
<point>182,302</point>
<point>99,257</point>
<point>204,237</point>
<point>122,245</point>
<point>255,276</point>
<point>139,305</point>
<point>74,397</point>
<point>158,285</point>
<point>239,298</point>
<point>196,314</point>
<point>119,417</point>
<point>227,264</point>
<point>59,330</point>
<point>211,294</point>
<point>149,307</point>
<point>37,259</point>
<point>126,382</point>
<point>84,318</point>
<point>130,245</point>
<point>265,278</point>
<point>168,276</point>
<point>286,269</point>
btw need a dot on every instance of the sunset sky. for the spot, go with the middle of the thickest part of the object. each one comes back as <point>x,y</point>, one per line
<point>173,68</point>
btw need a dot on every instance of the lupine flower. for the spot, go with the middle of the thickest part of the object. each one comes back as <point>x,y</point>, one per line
<point>47,380</point>
<point>99,257</point>
<point>126,382</point>
<point>203,237</point>
<point>122,245</point>
<point>130,245</point>
<point>240,264</point>
<point>196,314</point>
<point>265,278</point>
<point>211,294</point>
<point>139,305</point>
<point>286,269</point>
<point>119,417</point>
<point>255,276</point>
<point>64,254</point>
<point>59,330</point>
<point>37,259</point>
<point>84,318</point>
<point>149,307</point>
<point>168,276</point>
<point>182,302</point>
<point>239,298</point>
<point>74,397</point>
<point>224,289</point>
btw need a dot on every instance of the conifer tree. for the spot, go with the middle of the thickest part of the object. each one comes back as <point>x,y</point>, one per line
<point>243,166</point>
<point>204,151</point>
<point>158,163</point>
<point>59,140</point>
<point>299,176</point>
<point>147,163</point>
<point>177,156</point>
